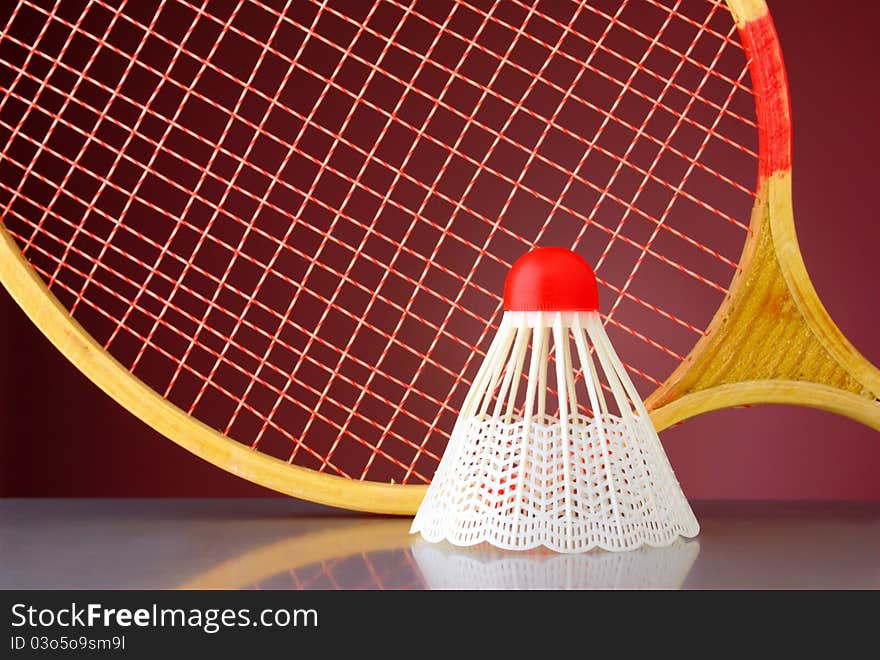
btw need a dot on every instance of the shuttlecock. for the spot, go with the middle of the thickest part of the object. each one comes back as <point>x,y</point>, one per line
<point>571,465</point>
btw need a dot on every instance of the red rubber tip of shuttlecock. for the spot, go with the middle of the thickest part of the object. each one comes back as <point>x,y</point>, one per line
<point>551,279</point>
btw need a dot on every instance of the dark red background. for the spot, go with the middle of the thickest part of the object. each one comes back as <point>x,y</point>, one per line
<point>61,436</point>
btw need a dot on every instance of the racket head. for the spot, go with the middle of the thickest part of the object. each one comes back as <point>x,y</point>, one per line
<point>400,246</point>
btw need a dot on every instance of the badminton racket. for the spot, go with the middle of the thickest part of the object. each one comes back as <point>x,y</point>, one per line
<point>277,231</point>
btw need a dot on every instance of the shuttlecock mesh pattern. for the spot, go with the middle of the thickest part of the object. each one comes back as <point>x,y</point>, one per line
<point>570,482</point>
<point>618,493</point>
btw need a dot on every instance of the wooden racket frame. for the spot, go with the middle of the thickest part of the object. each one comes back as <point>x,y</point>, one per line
<point>771,341</point>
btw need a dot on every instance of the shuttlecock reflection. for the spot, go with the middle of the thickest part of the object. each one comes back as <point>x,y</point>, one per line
<point>484,567</point>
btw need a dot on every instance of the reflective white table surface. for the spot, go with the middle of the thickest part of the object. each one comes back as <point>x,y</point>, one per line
<point>286,544</point>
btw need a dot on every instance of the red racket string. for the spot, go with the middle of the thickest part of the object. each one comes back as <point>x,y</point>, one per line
<point>392,117</point>
<point>712,130</point>
<point>162,351</point>
<point>208,380</point>
<point>642,302</point>
<point>73,163</point>
<point>220,356</point>
<point>338,138</point>
<point>222,176</point>
<point>620,237</point>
